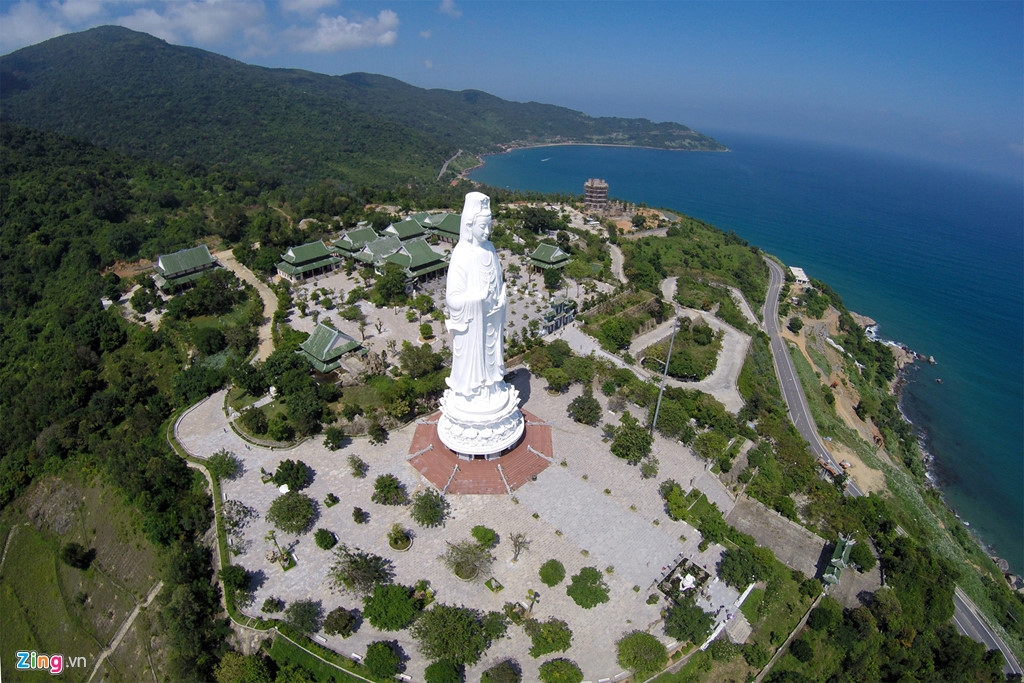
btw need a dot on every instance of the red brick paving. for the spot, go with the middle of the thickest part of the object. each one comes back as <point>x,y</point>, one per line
<point>481,476</point>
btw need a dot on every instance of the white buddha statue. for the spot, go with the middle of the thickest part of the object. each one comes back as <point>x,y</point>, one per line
<point>480,410</point>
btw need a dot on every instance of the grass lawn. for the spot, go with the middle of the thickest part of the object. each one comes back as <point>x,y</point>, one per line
<point>56,609</point>
<point>284,650</point>
<point>749,606</point>
<point>36,614</point>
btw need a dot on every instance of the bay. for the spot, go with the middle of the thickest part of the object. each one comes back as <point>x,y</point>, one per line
<point>934,254</point>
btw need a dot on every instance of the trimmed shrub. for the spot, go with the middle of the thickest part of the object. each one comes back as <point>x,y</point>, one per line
<point>560,670</point>
<point>552,572</point>
<point>325,539</point>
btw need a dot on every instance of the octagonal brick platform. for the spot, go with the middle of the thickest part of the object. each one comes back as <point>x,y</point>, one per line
<point>501,476</point>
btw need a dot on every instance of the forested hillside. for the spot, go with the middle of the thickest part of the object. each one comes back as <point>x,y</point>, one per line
<point>137,94</point>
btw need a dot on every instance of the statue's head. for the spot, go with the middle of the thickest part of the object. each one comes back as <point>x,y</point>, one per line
<point>475,226</point>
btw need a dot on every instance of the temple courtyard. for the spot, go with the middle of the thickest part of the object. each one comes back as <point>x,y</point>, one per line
<point>587,508</point>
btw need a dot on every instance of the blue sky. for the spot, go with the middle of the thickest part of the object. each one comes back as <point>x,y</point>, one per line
<point>942,81</point>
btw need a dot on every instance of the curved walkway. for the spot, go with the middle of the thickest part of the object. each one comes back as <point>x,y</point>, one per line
<point>266,343</point>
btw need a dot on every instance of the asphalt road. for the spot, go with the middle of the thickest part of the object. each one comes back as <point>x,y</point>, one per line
<point>966,617</point>
<point>792,392</point>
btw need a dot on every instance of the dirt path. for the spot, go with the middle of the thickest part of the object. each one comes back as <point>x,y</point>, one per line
<point>125,626</point>
<point>266,344</point>
<point>617,261</point>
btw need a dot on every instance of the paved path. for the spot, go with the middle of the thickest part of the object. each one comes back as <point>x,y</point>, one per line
<point>125,626</point>
<point>617,261</point>
<point>266,343</point>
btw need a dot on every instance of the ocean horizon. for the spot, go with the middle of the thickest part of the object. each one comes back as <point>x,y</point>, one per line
<point>935,255</point>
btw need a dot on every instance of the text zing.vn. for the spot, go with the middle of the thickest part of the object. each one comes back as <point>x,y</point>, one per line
<point>34,661</point>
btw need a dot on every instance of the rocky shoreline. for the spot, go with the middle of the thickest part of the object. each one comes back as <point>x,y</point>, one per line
<point>905,358</point>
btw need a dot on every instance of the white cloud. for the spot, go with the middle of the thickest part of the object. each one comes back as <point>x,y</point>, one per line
<point>80,10</point>
<point>338,33</point>
<point>449,7</point>
<point>425,35</point>
<point>205,22</point>
<point>306,6</point>
<point>429,64</point>
<point>27,24</point>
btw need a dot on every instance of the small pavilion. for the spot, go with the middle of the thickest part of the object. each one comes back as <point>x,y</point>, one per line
<point>179,270</point>
<point>325,348</point>
<point>547,256</point>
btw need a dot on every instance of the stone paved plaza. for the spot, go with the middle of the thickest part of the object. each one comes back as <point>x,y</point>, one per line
<point>566,514</point>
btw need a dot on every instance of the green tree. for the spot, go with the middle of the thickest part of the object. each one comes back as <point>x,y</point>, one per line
<point>585,409</point>
<point>632,442</point>
<point>588,589</point>
<point>254,420</point>
<point>505,671</point>
<point>444,672</point>
<point>454,634</point>
<point>382,659</point>
<point>552,572</point>
<point>340,622</point>
<point>560,670</point>
<point>236,583</point>
<point>553,278</point>
<point>429,508</point>
<point>861,555</point>
<point>389,490</point>
<point>358,571</point>
<point>224,465</point>
<point>557,379</point>
<point>75,555</point>
<point>419,361</point>
<point>325,539</point>
<point>642,653</point>
<point>802,650</point>
<point>292,512</point>
<point>389,290</point>
<point>305,616</point>
<point>466,559</point>
<point>795,324</point>
<point>294,474</point>
<point>687,622</point>
<point>390,607</point>
<point>485,536</point>
<point>739,568</point>
<point>549,636</point>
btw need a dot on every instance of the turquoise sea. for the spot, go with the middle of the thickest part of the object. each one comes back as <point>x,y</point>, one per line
<point>934,254</point>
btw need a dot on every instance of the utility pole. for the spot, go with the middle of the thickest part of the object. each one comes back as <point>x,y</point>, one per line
<point>664,374</point>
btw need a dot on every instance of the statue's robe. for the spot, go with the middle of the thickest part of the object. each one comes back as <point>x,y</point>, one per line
<point>476,317</point>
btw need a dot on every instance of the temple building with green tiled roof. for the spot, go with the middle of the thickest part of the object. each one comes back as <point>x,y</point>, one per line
<point>547,256</point>
<point>325,348</point>
<point>307,260</point>
<point>419,261</point>
<point>179,270</point>
<point>351,242</point>
<point>409,229</point>
<point>444,225</point>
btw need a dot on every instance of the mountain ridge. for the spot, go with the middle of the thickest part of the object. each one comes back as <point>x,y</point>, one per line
<point>134,93</point>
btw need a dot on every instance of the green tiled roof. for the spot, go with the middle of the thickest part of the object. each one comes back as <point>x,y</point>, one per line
<point>548,256</point>
<point>417,258</point>
<point>306,253</point>
<point>379,249</point>
<point>421,253</point>
<point>354,240</point>
<point>184,261</point>
<point>445,224</point>
<point>325,347</point>
<point>406,230</point>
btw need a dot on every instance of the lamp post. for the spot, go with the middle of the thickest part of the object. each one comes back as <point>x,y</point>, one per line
<point>664,374</point>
